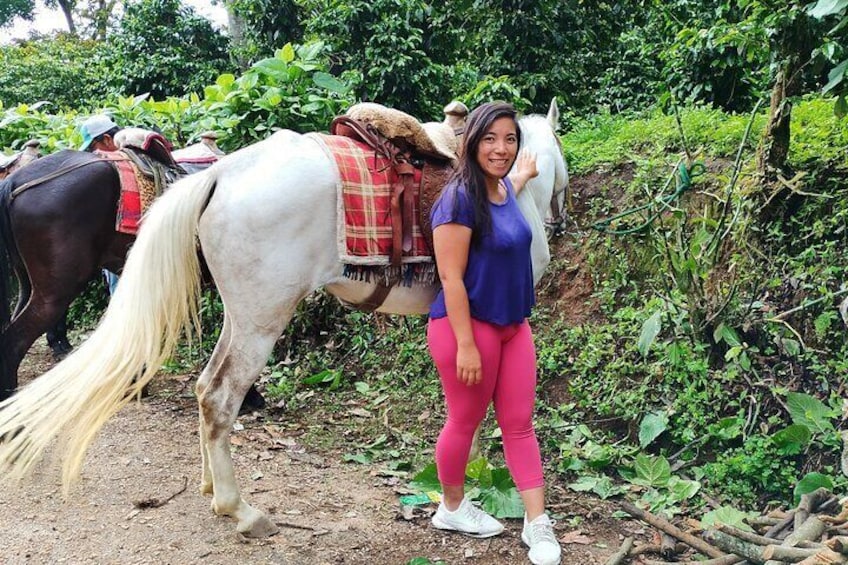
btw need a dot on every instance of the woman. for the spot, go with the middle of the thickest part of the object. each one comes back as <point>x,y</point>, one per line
<point>478,333</point>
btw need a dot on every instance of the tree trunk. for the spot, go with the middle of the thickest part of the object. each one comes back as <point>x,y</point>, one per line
<point>236,25</point>
<point>67,7</point>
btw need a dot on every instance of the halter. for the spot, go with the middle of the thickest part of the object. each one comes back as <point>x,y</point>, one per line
<point>556,225</point>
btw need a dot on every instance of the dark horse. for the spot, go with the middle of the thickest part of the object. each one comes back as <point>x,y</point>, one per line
<point>55,236</point>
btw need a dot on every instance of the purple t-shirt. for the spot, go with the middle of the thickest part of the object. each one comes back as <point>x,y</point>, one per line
<point>499,273</point>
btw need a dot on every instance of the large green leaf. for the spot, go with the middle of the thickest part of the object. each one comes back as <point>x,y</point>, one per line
<point>810,411</point>
<point>824,8</point>
<point>427,480</point>
<point>792,439</point>
<point>727,335</point>
<point>650,330</point>
<point>728,516</point>
<point>811,482</point>
<point>652,426</point>
<point>651,471</point>
<point>502,499</point>
<point>329,82</point>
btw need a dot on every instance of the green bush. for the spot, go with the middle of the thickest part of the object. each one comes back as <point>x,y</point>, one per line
<point>64,71</point>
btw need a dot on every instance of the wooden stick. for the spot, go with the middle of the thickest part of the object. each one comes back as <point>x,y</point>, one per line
<point>726,560</point>
<point>671,529</point>
<point>747,536</point>
<point>730,544</point>
<point>774,531</point>
<point>812,529</point>
<point>824,557</point>
<point>838,544</point>
<point>621,555</point>
<point>778,553</point>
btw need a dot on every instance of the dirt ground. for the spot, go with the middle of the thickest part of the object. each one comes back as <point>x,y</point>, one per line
<point>328,512</point>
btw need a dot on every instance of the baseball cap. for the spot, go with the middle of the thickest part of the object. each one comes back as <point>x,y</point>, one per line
<point>93,127</point>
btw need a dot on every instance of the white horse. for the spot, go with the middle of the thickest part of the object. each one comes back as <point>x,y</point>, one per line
<point>266,221</point>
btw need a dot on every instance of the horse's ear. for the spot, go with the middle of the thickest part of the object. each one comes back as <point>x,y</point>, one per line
<point>553,114</point>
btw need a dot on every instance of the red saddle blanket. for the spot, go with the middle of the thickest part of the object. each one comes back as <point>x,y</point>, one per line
<point>364,205</point>
<point>133,187</point>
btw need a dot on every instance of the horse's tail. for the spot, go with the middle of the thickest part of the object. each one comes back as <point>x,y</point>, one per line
<point>5,258</point>
<point>156,299</point>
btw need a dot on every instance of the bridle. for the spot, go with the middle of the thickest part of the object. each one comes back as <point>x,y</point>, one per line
<point>556,225</point>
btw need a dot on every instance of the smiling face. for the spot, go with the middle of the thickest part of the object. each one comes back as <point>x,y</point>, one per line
<point>497,149</point>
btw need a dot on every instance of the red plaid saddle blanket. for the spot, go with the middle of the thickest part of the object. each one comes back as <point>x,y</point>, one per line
<point>137,191</point>
<point>364,205</point>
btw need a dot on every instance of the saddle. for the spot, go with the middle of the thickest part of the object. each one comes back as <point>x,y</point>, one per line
<point>152,154</point>
<point>15,161</point>
<point>408,146</point>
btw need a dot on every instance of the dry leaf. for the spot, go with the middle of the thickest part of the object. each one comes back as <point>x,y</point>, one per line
<point>576,536</point>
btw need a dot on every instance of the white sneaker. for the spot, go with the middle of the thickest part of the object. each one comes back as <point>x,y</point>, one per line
<point>467,519</point>
<point>539,536</point>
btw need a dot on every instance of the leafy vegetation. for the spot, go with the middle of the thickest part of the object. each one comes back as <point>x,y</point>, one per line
<point>714,360</point>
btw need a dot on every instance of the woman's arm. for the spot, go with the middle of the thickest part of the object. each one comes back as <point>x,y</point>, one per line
<point>525,169</point>
<point>451,244</point>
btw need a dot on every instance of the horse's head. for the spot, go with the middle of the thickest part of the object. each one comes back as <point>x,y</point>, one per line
<point>544,196</point>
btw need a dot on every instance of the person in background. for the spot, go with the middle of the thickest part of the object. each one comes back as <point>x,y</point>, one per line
<point>98,134</point>
<point>478,333</point>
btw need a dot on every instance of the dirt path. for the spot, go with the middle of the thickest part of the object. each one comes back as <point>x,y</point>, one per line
<point>328,512</point>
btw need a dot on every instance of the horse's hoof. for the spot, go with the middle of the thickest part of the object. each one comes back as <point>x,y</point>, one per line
<point>252,400</point>
<point>61,349</point>
<point>259,527</point>
<point>206,487</point>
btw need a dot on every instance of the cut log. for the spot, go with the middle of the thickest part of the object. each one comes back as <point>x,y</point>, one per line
<point>731,544</point>
<point>825,556</point>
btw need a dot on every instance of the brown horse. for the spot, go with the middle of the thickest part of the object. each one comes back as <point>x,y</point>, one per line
<point>55,236</point>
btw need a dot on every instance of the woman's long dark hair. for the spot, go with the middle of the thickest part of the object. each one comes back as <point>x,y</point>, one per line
<point>468,173</point>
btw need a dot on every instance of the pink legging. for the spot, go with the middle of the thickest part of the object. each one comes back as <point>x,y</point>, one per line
<point>509,380</point>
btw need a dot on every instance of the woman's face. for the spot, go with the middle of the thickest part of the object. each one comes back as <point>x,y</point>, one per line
<point>498,148</point>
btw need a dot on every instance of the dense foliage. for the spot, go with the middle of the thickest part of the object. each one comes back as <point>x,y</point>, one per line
<point>163,48</point>
<point>62,71</point>
<point>714,357</point>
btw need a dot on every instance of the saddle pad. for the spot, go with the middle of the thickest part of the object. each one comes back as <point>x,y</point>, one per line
<point>364,233</point>
<point>137,191</point>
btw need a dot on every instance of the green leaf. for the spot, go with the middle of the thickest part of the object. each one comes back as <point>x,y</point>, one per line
<point>602,486</point>
<point>824,8</point>
<point>287,53</point>
<point>651,471</point>
<point>728,516</point>
<point>502,499</point>
<point>682,489</point>
<point>835,76</point>
<point>360,458</point>
<point>329,82</point>
<point>476,468</point>
<point>427,480</point>
<point>840,108</point>
<point>650,330</point>
<point>793,439</point>
<point>652,426</point>
<point>727,335</point>
<point>811,482</point>
<point>810,411</point>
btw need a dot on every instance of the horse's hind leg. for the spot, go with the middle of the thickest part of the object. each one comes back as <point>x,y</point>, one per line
<point>57,338</point>
<point>240,355</point>
<point>214,365</point>
<point>22,332</point>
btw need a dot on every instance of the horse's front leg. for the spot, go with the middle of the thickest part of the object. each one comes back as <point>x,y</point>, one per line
<point>228,381</point>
